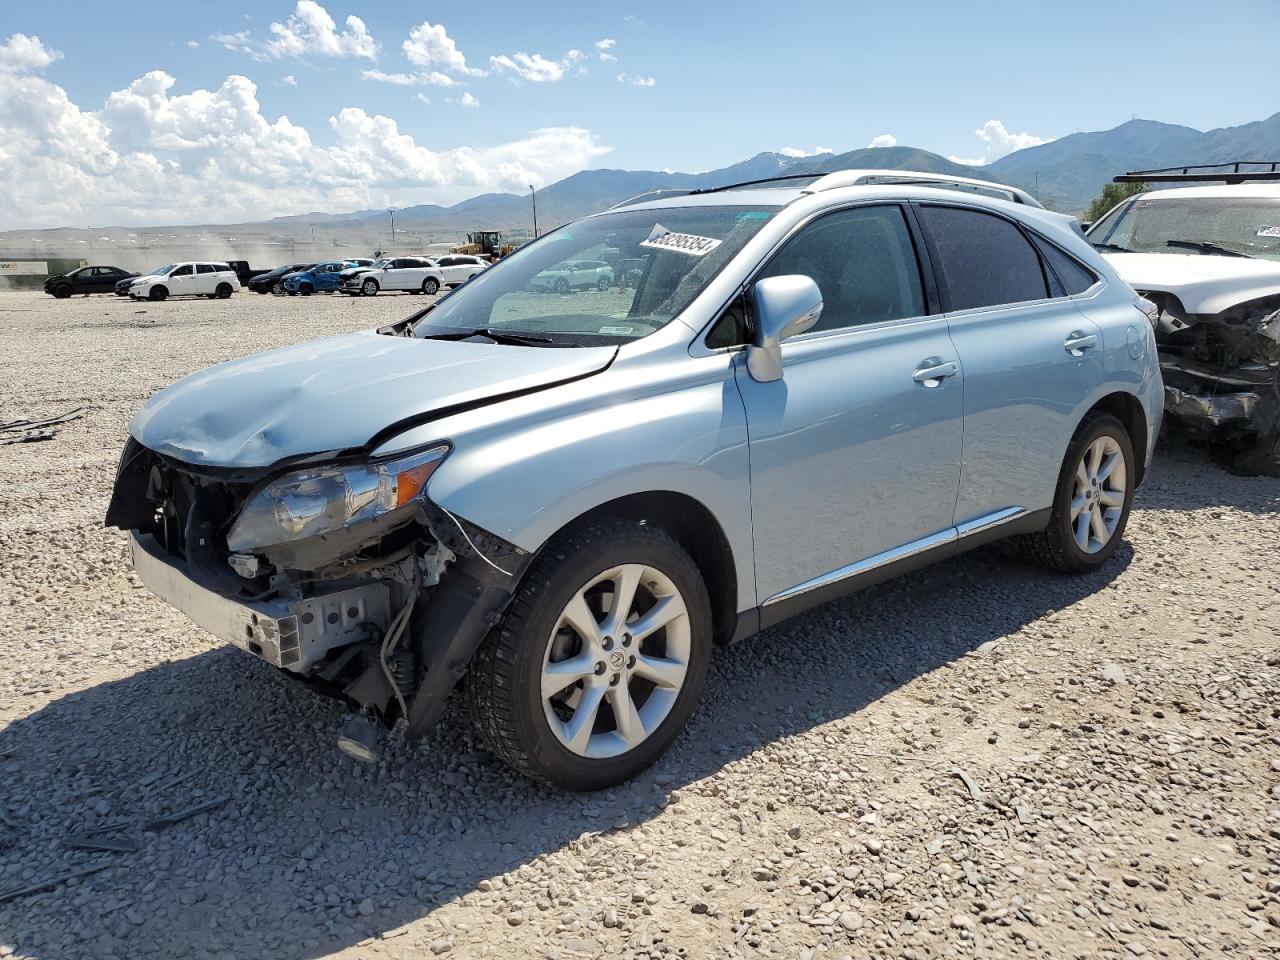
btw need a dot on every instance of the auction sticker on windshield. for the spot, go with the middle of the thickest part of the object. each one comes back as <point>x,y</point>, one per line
<point>660,238</point>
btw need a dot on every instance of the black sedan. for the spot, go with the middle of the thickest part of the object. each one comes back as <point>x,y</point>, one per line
<point>267,282</point>
<point>86,280</point>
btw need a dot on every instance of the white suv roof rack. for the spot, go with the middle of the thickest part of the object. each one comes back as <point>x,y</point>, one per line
<point>855,178</point>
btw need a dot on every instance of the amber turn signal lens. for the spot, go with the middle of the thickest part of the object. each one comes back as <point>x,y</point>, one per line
<point>409,483</point>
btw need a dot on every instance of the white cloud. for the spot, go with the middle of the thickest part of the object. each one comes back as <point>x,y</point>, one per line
<point>536,68</point>
<point>429,78</point>
<point>289,80</point>
<point>469,101</point>
<point>24,54</point>
<point>308,31</point>
<point>430,46</point>
<point>1000,142</point>
<point>798,152</point>
<point>153,154</point>
<point>883,140</point>
<point>193,44</point>
<point>422,98</point>
<point>636,80</point>
<point>603,47</point>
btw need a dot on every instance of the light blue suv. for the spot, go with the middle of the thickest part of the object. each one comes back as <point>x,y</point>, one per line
<point>566,502</point>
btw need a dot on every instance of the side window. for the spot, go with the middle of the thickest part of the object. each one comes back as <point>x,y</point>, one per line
<point>863,261</point>
<point>1071,274</point>
<point>205,268</point>
<point>984,260</point>
<point>446,261</point>
<point>182,271</point>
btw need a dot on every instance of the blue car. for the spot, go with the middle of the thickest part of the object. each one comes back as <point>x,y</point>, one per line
<point>317,278</point>
<point>810,388</point>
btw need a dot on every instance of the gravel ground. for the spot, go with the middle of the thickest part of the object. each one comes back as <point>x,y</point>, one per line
<point>981,759</point>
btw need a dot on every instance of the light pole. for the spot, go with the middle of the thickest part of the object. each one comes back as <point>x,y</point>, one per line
<point>533,195</point>
<point>392,211</point>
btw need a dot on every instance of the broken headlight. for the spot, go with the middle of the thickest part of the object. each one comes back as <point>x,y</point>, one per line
<point>320,500</point>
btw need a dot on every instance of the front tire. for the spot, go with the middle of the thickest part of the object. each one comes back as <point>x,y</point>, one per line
<point>1092,503</point>
<point>62,293</point>
<point>369,288</point>
<point>306,290</point>
<point>561,285</point>
<point>602,284</point>
<point>599,660</point>
<point>157,293</point>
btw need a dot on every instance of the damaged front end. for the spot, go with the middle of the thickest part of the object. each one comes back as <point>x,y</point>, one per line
<point>341,573</point>
<point>1222,378</point>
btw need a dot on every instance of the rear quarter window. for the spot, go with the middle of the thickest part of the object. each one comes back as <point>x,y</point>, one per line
<point>1074,276</point>
<point>984,260</point>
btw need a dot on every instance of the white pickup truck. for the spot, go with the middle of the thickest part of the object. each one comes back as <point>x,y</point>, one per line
<point>1209,258</point>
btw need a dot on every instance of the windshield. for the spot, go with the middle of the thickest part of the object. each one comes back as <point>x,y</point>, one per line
<point>1207,225</point>
<point>163,271</point>
<point>378,264</point>
<point>617,276</point>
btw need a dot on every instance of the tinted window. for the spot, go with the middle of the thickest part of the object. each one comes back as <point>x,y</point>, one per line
<point>1073,276</point>
<point>182,271</point>
<point>864,263</point>
<point>984,260</point>
<point>205,268</point>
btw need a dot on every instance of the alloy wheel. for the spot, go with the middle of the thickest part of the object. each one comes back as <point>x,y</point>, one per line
<point>616,661</point>
<point>1097,501</point>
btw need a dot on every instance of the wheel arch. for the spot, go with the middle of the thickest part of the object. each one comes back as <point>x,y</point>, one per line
<point>1128,409</point>
<point>696,529</point>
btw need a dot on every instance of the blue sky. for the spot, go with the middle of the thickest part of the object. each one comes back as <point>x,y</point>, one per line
<point>275,106</point>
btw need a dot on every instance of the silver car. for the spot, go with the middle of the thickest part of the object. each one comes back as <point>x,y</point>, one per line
<point>567,502</point>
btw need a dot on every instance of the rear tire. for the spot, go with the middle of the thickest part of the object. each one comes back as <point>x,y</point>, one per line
<point>431,286</point>
<point>510,686</point>
<point>157,293</point>
<point>1092,502</point>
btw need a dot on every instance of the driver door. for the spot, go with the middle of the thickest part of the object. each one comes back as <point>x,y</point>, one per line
<point>855,452</point>
<point>182,281</point>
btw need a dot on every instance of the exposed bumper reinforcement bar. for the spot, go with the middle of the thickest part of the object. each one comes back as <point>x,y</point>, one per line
<point>292,635</point>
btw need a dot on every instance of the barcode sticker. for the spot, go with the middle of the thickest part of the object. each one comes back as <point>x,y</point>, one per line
<point>660,238</point>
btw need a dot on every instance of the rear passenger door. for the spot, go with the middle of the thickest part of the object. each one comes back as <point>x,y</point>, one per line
<point>1030,358</point>
<point>206,278</point>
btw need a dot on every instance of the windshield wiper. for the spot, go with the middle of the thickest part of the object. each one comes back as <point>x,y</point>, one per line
<point>1206,246</point>
<point>1111,246</point>
<point>497,336</point>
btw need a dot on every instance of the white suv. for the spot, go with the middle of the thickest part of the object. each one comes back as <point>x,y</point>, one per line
<point>459,267</point>
<point>410,274</point>
<point>1209,258</point>
<point>188,279</point>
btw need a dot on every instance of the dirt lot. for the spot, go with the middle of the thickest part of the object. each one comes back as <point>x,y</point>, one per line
<point>982,759</point>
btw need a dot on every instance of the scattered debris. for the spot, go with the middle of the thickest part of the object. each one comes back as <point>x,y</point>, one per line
<point>974,792</point>
<point>161,822</point>
<point>30,431</point>
<point>51,882</point>
<point>95,840</point>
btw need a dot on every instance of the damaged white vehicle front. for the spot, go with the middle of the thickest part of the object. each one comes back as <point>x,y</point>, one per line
<point>1209,258</point>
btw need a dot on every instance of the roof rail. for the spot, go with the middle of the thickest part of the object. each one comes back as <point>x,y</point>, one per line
<point>854,178</point>
<point>657,194</point>
<point>1215,172</point>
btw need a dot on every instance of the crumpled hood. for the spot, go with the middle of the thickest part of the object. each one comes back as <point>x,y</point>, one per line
<point>352,271</point>
<point>336,393</point>
<point>1203,283</point>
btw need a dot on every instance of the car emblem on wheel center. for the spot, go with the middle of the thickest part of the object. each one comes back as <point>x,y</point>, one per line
<point>617,659</point>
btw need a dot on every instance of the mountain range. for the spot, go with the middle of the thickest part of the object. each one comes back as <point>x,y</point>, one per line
<point>1065,174</point>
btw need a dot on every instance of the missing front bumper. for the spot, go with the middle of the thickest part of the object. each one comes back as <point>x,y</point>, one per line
<point>293,635</point>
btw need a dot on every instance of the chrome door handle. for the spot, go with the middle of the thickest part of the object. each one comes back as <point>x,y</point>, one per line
<point>1077,343</point>
<point>933,371</point>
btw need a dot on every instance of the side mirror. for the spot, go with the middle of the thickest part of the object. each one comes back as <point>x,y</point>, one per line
<point>785,307</point>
